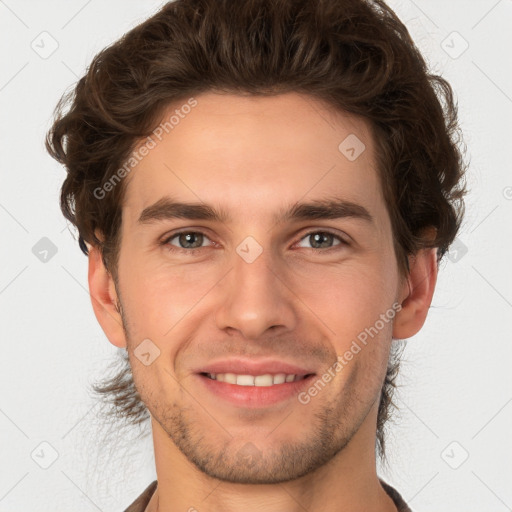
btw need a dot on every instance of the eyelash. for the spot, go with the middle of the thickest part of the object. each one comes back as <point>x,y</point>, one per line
<point>194,250</point>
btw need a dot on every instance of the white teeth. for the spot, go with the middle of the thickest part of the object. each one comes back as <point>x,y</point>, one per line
<point>279,378</point>
<point>230,378</point>
<point>263,380</point>
<point>251,380</point>
<point>245,380</point>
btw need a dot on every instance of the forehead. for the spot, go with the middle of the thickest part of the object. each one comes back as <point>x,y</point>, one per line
<point>254,153</point>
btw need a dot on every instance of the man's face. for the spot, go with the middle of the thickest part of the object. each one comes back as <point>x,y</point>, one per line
<point>251,288</point>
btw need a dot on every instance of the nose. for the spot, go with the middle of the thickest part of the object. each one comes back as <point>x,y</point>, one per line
<point>256,298</point>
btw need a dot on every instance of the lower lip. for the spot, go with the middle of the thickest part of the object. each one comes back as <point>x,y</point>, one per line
<point>255,396</point>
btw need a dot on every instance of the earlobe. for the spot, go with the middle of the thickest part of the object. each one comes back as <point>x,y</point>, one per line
<point>104,299</point>
<point>417,292</point>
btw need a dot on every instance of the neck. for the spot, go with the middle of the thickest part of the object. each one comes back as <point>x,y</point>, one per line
<point>347,482</point>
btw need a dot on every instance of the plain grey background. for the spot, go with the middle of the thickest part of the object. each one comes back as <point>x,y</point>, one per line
<point>449,446</point>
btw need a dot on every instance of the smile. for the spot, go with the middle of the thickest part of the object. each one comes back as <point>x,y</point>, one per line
<point>266,379</point>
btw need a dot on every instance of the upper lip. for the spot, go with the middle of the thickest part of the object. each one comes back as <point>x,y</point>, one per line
<point>254,367</point>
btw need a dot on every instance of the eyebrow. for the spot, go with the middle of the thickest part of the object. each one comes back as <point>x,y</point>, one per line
<point>330,208</point>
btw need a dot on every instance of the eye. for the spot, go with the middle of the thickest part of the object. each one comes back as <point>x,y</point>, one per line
<point>186,240</point>
<point>323,239</point>
<point>192,241</point>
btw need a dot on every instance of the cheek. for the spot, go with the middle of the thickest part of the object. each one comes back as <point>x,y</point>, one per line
<point>157,294</point>
<point>356,306</point>
<point>349,298</point>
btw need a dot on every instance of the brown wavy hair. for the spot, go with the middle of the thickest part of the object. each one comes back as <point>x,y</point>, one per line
<point>354,55</point>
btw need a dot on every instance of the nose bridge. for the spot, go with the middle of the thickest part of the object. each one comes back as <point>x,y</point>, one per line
<point>255,267</point>
<point>255,296</point>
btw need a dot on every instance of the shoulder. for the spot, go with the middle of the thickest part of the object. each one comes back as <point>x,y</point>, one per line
<point>396,497</point>
<point>140,504</point>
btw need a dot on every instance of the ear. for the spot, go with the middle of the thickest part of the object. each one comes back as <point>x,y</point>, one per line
<point>104,299</point>
<point>416,294</point>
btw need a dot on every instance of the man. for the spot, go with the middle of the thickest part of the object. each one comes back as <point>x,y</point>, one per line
<point>264,190</point>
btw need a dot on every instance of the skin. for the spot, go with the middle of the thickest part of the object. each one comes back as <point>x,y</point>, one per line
<point>295,302</point>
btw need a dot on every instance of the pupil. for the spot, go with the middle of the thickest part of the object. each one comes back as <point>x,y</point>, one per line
<point>188,238</point>
<point>318,236</point>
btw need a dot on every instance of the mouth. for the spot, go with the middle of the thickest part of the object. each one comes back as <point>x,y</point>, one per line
<point>246,391</point>
<point>263,380</point>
